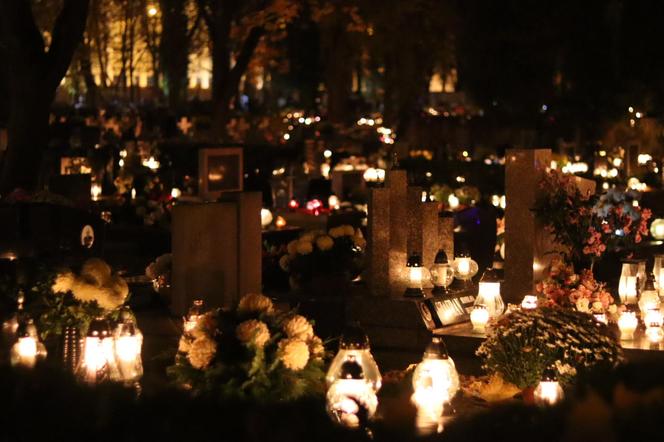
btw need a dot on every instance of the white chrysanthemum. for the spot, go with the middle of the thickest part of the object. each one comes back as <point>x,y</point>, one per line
<point>184,345</point>
<point>96,271</point>
<point>201,352</point>
<point>293,353</point>
<point>63,282</point>
<point>292,247</point>
<point>316,348</point>
<point>299,328</point>
<point>206,325</point>
<point>613,309</point>
<point>109,297</point>
<point>309,236</point>
<point>253,332</point>
<point>255,303</point>
<point>324,242</point>
<point>348,230</point>
<point>304,247</point>
<point>284,263</point>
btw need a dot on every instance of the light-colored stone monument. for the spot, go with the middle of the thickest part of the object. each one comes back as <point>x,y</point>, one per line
<point>216,251</point>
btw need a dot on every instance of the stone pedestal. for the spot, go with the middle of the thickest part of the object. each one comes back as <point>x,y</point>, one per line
<point>216,251</point>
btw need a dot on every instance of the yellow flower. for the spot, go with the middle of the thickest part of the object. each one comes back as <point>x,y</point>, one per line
<point>96,271</point>
<point>348,230</point>
<point>293,353</point>
<point>309,237</point>
<point>316,348</point>
<point>292,247</point>
<point>284,263</point>
<point>324,242</point>
<point>206,325</point>
<point>201,352</point>
<point>304,247</point>
<point>184,345</point>
<point>63,282</point>
<point>255,303</point>
<point>299,328</point>
<point>336,232</point>
<point>253,332</point>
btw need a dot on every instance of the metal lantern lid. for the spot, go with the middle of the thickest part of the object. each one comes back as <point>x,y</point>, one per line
<point>415,260</point>
<point>354,338</point>
<point>436,349</point>
<point>549,375</point>
<point>441,257</point>
<point>99,328</point>
<point>491,275</point>
<point>351,370</point>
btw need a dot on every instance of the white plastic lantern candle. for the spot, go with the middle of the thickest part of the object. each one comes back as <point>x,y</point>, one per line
<point>488,294</point>
<point>27,349</point>
<point>549,391</point>
<point>95,191</point>
<point>657,228</point>
<point>464,267</point>
<point>529,302</point>
<point>658,270</point>
<point>649,299</point>
<point>354,345</point>
<point>479,317</point>
<point>627,289</point>
<point>128,345</point>
<point>435,382</point>
<point>351,396</point>
<point>415,275</point>
<point>627,323</point>
<point>442,273</point>
<point>98,362</point>
<point>194,313</point>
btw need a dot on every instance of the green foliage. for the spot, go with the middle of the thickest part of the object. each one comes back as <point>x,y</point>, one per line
<point>524,343</point>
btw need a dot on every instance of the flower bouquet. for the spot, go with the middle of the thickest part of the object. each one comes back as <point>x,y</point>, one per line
<point>586,224</point>
<point>565,288</point>
<point>526,342</point>
<point>253,352</point>
<point>75,299</point>
<point>337,253</point>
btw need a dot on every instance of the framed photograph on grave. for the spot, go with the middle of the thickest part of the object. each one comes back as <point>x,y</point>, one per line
<point>220,170</point>
<point>74,166</point>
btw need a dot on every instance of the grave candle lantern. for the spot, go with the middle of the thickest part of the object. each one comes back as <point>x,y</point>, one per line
<point>464,267</point>
<point>627,323</point>
<point>435,382</point>
<point>442,273</point>
<point>549,391</point>
<point>351,396</point>
<point>27,349</point>
<point>649,297</point>
<point>415,277</point>
<point>128,344</point>
<point>627,289</point>
<point>488,294</point>
<point>479,317</point>
<point>632,279</point>
<point>354,345</point>
<point>658,271</point>
<point>98,362</point>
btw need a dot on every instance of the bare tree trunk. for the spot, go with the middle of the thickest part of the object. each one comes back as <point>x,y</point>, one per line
<point>33,76</point>
<point>174,51</point>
